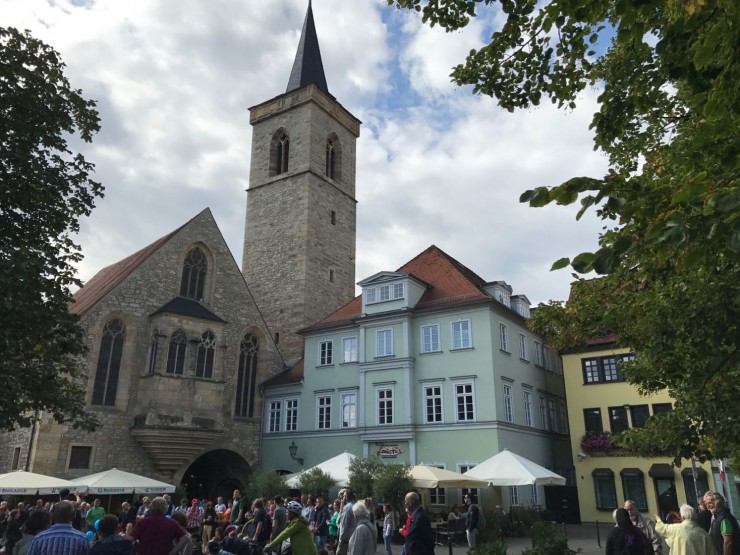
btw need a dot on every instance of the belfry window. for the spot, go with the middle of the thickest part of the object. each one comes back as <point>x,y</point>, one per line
<point>246,376</point>
<point>282,154</point>
<point>176,353</point>
<point>206,355</point>
<point>109,363</point>
<point>330,159</point>
<point>194,275</point>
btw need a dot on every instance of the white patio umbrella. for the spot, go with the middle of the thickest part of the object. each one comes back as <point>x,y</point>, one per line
<point>21,482</point>
<point>114,482</point>
<point>510,469</point>
<point>433,477</point>
<point>336,467</point>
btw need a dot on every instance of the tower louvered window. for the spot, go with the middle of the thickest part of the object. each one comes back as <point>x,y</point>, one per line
<point>109,363</point>
<point>246,376</point>
<point>194,275</point>
<point>330,159</point>
<point>282,154</point>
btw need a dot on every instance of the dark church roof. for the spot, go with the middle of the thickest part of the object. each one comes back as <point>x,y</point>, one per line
<point>188,307</point>
<point>307,67</point>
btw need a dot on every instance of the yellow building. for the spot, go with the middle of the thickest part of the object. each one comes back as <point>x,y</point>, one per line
<point>600,401</point>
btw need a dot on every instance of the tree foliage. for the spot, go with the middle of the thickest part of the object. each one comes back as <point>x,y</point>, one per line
<point>668,122</point>
<point>392,483</point>
<point>46,188</point>
<point>316,482</point>
<point>266,484</point>
<point>362,474</point>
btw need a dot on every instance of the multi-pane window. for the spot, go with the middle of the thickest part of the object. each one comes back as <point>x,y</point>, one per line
<point>430,338</point>
<point>176,353</point>
<point>326,353</point>
<point>433,403</point>
<point>349,349</point>
<point>194,275</point>
<point>618,419</point>
<point>291,415</point>
<point>465,402</point>
<point>508,403</point>
<point>385,406</point>
<point>523,350</point>
<point>639,414</point>
<point>105,386</point>
<point>246,376</point>
<point>205,356</point>
<point>603,369</point>
<point>552,416</point>
<point>383,293</point>
<point>546,357</point>
<point>274,416</point>
<point>528,408</point>
<point>606,493</point>
<point>514,495</point>
<point>437,496</point>
<point>385,343</point>
<point>633,487</point>
<point>504,335</point>
<point>473,493</point>
<point>323,412</point>
<point>461,335</point>
<point>538,353</point>
<point>349,410</point>
<point>398,290</point>
<point>692,489</point>
<point>592,420</point>
<point>543,413</point>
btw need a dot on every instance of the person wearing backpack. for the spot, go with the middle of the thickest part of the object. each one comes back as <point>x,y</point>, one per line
<point>262,523</point>
<point>473,522</point>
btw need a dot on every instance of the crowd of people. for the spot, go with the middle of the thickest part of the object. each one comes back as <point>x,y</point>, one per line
<point>305,526</point>
<point>712,530</point>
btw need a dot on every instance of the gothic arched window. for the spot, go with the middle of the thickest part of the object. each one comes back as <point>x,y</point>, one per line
<point>176,353</point>
<point>333,169</point>
<point>282,154</point>
<point>330,158</point>
<point>194,275</point>
<point>153,350</point>
<point>206,355</point>
<point>246,376</point>
<point>109,363</point>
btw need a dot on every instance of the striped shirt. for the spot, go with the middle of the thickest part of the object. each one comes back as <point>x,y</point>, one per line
<point>60,539</point>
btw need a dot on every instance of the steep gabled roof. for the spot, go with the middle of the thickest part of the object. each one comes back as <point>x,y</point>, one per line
<point>450,283</point>
<point>307,67</point>
<point>106,279</point>
<point>294,374</point>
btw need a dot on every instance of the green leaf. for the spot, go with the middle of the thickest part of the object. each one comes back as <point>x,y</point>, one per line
<point>583,262</point>
<point>560,264</point>
<point>725,201</point>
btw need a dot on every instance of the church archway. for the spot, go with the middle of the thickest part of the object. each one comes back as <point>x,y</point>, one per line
<point>216,474</point>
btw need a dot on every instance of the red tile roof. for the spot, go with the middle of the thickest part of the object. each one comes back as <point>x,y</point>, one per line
<point>451,283</point>
<point>106,279</point>
<point>294,374</point>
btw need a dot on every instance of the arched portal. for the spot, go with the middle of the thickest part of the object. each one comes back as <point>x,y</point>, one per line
<point>216,473</point>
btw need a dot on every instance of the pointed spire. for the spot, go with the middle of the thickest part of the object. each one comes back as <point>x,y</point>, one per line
<point>307,67</point>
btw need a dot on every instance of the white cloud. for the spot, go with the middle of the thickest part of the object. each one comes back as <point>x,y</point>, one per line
<point>174,79</point>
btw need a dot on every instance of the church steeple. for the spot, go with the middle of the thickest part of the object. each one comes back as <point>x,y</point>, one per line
<point>307,67</point>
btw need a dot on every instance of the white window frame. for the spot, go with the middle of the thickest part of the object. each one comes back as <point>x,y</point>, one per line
<point>291,415</point>
<point>465,341</point>
<point>503,331</point>
<point>523,347</point>
<point>514,500</point>
<point>387,342</point>
<point>349,355</point>
<point>543,412</point>
<point>348,402</point>
<point>384,293</point>
<point>431,394</point>
<point>463,395</point>
<point>323,412</point>
<point>326,353</point>
<point>508,391</point>
<point>437,496</point>
<point>462,468</point>
<point>370,295</point>
<point>546,357</point>
<point>398,289</point>
<point>434,343</point>
<point>538,353</point>
<point>528,419</point>
<point>274,416</point>
<point>388,400</point>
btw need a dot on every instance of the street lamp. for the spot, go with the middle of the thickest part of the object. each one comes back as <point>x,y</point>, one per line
<point>293,449</point>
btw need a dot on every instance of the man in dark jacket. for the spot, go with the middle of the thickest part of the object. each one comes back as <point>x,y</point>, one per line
<point>420,538</point>
<point>111,543</point>
<point>472,520</point>
<point>725,532</point>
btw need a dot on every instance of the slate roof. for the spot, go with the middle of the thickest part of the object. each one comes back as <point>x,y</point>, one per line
<point>188,307</point>
<point>450,283</point>
<point>307,67</point>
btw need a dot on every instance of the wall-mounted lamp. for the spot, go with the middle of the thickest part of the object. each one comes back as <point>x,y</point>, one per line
<point>293,449</point>
<point>582,455</point>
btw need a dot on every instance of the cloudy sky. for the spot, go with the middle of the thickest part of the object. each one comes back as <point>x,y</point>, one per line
<point>435,164</point>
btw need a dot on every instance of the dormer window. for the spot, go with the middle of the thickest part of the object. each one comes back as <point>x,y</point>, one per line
<point>501,291</point>
<point>384,293</point>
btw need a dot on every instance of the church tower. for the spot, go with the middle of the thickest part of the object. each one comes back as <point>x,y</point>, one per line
<point>299,240</point>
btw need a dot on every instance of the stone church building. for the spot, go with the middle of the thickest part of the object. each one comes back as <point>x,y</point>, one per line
<point>180,339</point>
